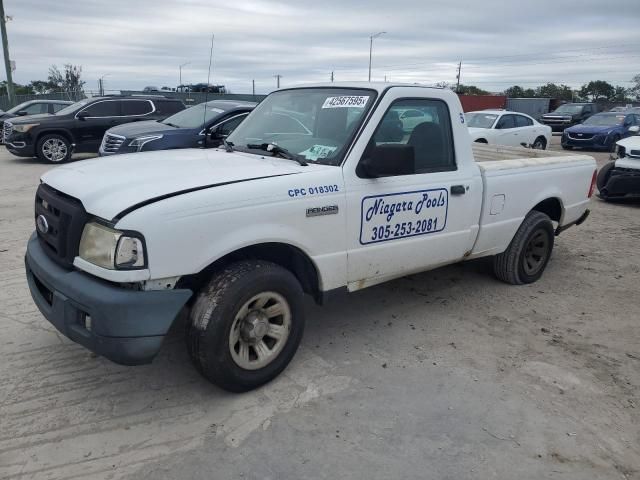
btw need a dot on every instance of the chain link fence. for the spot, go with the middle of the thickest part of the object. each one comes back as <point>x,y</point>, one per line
<point>188,98</point>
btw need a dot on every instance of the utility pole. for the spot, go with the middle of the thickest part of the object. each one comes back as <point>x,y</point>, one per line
<point>180,69</point>
<point>278,77</point>
<point>7,60</point>
<point>371,37</point>
<point>332,76</point>
<point>458,77</point>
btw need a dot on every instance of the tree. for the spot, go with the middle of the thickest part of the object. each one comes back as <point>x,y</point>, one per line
<point>597,89</point>
<point>17,89</point>
<point>551,90</point>
<point>470,90</point>
<point>620,94</point>
<point>635,89</point>
<point>515,92</point>
<point>41,86</point>
<point>70,80</point>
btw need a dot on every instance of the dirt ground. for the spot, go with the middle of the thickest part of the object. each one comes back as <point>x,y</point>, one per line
<point>445,375</point>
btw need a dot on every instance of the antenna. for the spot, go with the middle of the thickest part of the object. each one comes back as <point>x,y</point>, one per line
<point>206,95</point>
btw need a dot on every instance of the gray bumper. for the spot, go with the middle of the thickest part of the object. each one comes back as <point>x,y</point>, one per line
<point>127,326</point>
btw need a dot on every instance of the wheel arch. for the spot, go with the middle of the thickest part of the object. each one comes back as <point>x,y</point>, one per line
<point>55,131</point>
<point>286,255</point>
<point>552,207</point>
<point>481,140</point>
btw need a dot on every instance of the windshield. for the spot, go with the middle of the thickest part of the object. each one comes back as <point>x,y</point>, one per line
<point>73,107</point>
<point>480,120</point>
<point>193,117</point>
<point>571,109</point>
<point>315,123</point>
<point>605,120</point>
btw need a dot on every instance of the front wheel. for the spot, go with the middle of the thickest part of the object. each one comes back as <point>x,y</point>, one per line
<point>53,148</point>
<point>527,255</point>
<point>246,325</point>
<point>539,144</point>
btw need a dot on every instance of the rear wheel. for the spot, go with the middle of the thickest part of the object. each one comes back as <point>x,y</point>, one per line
<point>540,143</point>
<point>246,325</point>
<point>528,253</point>
<point>603,178</point>
<point>53,148</point>
<point>613,143</point>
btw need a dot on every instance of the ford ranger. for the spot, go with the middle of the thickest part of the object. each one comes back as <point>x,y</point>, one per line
<point>314,193</point>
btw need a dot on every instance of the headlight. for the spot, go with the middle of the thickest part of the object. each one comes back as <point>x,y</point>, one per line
<point>25,127</point>
<point>142,141</point>
<point>110,248</point>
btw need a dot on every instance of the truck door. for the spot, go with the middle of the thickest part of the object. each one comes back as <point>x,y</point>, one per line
<point>407,223</point>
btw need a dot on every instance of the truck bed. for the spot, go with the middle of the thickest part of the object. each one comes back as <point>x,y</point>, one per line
<point>498,157</point>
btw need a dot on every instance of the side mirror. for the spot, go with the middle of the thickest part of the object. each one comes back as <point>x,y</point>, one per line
<point>82,115</point>
<point>21,113</point>
<point>634,129</point>
<point>388,160</point>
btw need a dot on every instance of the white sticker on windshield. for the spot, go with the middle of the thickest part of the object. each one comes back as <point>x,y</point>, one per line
<point>317,151</point>
<point>344,101</point>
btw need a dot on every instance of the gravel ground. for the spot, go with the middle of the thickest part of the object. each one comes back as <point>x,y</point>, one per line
<point>445,375</point>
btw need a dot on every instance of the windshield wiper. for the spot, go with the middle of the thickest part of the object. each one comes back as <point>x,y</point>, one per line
<point>228,146</point>
<point>278,150</point>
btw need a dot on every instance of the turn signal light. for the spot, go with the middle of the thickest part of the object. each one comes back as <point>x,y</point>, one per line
<point>593,183</point>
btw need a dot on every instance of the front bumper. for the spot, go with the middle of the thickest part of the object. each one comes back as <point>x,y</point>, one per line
<point>21,145</point>
<point>622,182</point>
<point>597,142</point>
<point>126,326</point>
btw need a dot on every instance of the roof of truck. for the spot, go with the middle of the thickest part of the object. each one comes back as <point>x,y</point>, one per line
<point>378,86</point>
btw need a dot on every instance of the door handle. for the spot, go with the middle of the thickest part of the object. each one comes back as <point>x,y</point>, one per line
<point>458,190</point>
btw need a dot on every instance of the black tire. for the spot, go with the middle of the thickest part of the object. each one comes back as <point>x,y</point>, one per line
<point>603,176</point>
<point>481,140</point>
<point>214,313</point>
<point>567,147</point>
<point>46,155</point>
<point>533,239</point>
<point>540,143</point>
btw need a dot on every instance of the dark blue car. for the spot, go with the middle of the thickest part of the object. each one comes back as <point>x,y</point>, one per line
<point>201,126</point>
<point>601,131</point>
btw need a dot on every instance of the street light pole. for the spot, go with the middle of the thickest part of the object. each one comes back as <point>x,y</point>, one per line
<point>375,35</point>
<point>180,68</point>
<point>101,84</point>
<point>7,60</point>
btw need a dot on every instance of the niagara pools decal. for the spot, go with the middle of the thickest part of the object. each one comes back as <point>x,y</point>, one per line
<point>401,215</point>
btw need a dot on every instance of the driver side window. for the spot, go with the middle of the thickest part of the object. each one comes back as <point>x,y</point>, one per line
<point>506,122</point>
<point>424,125</point>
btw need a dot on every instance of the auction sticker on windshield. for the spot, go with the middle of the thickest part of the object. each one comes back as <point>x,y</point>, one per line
<point>344,101</point>
<point>402,215</point>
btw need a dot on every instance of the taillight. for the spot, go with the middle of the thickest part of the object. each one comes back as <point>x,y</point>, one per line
<point>593,183</point>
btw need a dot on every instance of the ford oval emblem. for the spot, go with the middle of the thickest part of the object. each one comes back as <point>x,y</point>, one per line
<point>41,224</point>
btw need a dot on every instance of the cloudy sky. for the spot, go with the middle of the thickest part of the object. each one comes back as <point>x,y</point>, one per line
<point>500,42</point>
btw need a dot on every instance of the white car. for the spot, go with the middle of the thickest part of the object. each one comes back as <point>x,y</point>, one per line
<point>502,127</point>
<point>621,177</point>
<point>236,236</point>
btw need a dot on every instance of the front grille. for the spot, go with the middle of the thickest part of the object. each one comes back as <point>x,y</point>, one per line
<point>7,130</point>
<point>580,136</point>
<point>111,143</point>
<point>554,120</point>
<point>634,153</point>
<point>65,218</point>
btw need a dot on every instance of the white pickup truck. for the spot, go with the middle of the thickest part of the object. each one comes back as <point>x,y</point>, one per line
<point>320,190</point>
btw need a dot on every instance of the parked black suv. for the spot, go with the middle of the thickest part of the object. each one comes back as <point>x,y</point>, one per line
<point>80,127</point>
<point>203,125</point>
<point>568,115</point>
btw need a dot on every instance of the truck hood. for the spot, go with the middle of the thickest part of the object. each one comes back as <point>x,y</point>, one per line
<point>108,186</point>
